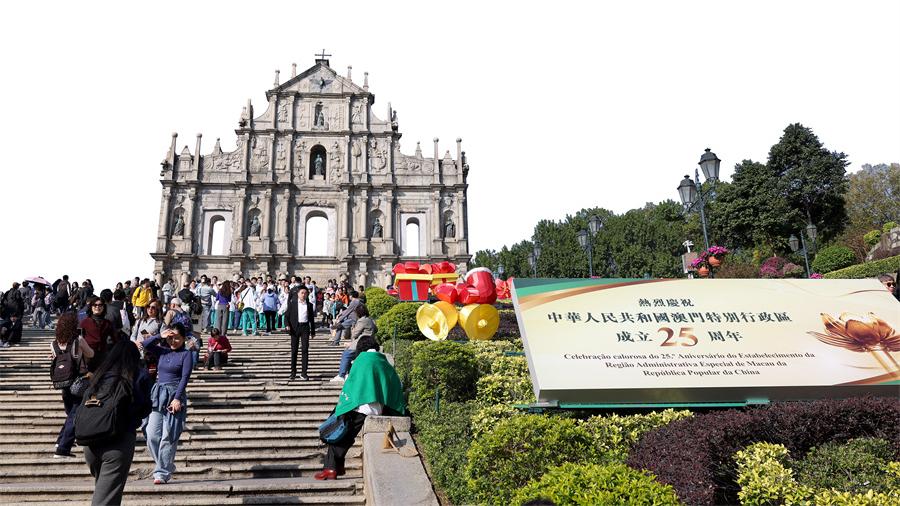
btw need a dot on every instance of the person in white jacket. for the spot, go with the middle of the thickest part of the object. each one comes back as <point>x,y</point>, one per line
<point>248,299</point>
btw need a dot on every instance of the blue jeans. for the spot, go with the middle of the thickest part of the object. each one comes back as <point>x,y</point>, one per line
<point>163,430</point>
<point>235,319</point>
<point>346,359</point>
<point>67,434</point>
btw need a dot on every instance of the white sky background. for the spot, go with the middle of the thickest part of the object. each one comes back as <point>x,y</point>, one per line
<point>561,105</point>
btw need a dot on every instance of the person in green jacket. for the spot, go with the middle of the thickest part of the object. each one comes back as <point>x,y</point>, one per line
<point>372,388</point>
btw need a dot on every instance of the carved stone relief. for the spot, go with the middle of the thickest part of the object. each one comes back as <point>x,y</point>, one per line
<point>260,160</point>
<point>299,154</point>
<point>281,155</point>
<point>359,113</point>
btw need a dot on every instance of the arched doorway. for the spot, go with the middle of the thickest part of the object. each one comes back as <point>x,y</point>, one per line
<point>316,236</point>
<point>411,248</point>
<point>216,240</point>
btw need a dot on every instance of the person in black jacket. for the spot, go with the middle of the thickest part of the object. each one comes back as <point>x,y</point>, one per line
<point>301,317</point>
<point>110,461</point>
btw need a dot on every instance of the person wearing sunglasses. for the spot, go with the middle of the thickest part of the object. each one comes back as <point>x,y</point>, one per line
<point>149,324</point>
<point>169,397</point>
<point>888,281</point>
<point>98,332</point>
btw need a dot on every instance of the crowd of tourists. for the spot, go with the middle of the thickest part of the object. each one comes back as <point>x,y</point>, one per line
<point>133,348</point>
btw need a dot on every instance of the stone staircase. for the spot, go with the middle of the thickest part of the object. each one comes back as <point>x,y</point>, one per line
<point>251,436</point>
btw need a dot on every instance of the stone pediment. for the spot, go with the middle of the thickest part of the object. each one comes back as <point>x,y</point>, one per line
<point>319,78</point>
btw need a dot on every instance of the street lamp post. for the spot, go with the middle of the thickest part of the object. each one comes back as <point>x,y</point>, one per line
<point>693,194</point>
<point>535,256</point>
<point>811,233</point>
<point>500,271</point>
<point>586,240</point>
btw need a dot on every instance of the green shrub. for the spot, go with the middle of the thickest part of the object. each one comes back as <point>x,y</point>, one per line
<point>402,350</point>
<point>855,466</point>
<point>374,291</point>
<point>442,364</point>
<point>833,258</point>
<point>520,449</point>
<point>614,435</point>
<point>444,439</point>
<point>487,417</point>
<point>866,270</point>
<point>594,484</point>
<point>765,478</point>
<point>488,351</point>
<point>887,227</point>
<point>379,304</point>
<point>403,317</point>
<point>872,237</point>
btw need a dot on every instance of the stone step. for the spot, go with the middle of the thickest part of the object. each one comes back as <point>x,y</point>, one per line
<point>193,490</point>
<point>142,457</point>
<point>191,426</point>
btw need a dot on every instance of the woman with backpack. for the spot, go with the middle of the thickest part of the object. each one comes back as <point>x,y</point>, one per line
<point>109,451</point>
<point>169,399</point>
<point>69,353</point>
<point>98,331</point>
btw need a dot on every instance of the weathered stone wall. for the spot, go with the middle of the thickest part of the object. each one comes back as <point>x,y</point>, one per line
<point>318,151</point>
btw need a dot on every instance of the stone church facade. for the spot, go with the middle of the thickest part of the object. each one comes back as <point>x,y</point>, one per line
<point>317,153</point>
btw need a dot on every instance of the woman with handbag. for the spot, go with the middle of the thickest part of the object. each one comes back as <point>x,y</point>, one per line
<point>68,341</point>
<point>372,388</point>
<point>109,454</point>
<point>169,399</point>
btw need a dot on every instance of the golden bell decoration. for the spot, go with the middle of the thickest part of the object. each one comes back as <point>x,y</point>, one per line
<point>480,321</point>
<point>436,320</point>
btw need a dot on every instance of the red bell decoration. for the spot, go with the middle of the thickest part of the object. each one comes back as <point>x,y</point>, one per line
<point>446,292</point>
<point>479,288</point>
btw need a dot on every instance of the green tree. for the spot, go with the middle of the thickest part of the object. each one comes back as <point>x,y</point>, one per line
<point>486,258</point>
<point>811,179</point>
<point>873,196</point>
<point>751,210</point>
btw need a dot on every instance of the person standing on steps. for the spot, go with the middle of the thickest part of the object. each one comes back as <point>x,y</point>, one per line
<point>68,341</point>
<point>301,325</point>
<point>169,399</point>
<point>110,460</point>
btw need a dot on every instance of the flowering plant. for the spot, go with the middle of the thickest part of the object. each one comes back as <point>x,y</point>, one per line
<point>698,262</point>
<point>717,251</point>
<point>816,275</point>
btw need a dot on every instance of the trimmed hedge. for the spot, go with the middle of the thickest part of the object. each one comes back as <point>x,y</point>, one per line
<point>615,435</point>
<point>867,270</point>
<point>766,478</point>
<point>694,455</point>
<point>521,449</point>
<point>444,439</point>
<point>379,304</point>
<point>403,316</point>
<point>374,291</point>
<point>833,258</point>
<point>402,350</point>
<point>594,484</point>
<point>442,364</point>
<point>855,466</point>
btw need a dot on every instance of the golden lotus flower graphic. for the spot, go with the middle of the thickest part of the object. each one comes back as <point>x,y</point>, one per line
<point>867,333</point>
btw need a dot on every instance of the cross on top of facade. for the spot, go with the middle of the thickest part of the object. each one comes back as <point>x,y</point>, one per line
<point>323,55</point>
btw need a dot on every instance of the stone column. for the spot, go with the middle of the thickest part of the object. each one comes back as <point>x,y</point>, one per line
<point>237,234</point>
<point>361,218</point>
<point>266,209</point>
<point>437,163</point>
<point>434,228</point>
<point>164,212</point>
<point>189,220</point>
<point>344,223</point>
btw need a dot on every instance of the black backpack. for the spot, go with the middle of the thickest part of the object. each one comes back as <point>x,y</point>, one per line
<point>64,369</point>
<point>103,414</point>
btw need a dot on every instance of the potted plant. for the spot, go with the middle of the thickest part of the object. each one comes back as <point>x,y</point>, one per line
<point>715,255</point>
<point>700,265</point>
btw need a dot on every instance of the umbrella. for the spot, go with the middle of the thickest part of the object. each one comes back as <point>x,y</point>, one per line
<point>39,280</point>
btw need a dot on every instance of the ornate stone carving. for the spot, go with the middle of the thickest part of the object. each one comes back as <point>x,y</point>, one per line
<point>319,117</point>
<point>283,112</point>
<point>378,155</point>
<point>319,166</point>
<point>281,155</point>
<point>359,113</point>
<point>260,155</point>
<point>299,154</point>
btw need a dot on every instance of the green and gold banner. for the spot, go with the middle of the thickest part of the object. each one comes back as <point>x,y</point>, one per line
<point>712,340</point>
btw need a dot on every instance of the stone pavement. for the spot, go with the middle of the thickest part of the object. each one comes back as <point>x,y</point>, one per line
<point>251,436</point>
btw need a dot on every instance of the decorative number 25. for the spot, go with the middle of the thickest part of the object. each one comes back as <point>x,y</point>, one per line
<point>685,338</point>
